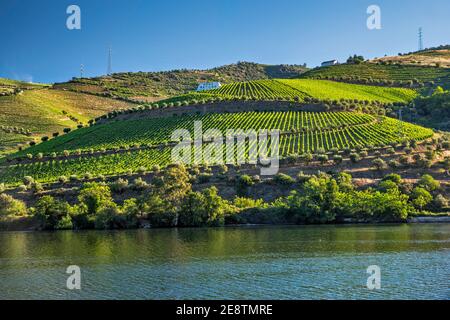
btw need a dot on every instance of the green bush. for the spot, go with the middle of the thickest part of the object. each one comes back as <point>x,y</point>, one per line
<point>10,207</point>
<point>283,179</point>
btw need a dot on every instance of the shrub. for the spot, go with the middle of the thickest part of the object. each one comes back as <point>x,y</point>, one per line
<point>2,187</point>
<point>11,207</point>
<point>337,159</point>
<point>363,154</point>
<point>27,180</point>
<point>429,183</point>
<point>63,179</point>
<point>139,184</point>
<point>354,157</point>
<point>119,186</point>
<point>379,164</point>
<point>283,179</point>
<point>404,160</point>
<point>306,157</point>
<point>36,187</point>
<point>396,178</point>
<point>440,202</point>
<point>390,151</point>
<point>243,183</point>
<point>394,164</point>
<point>204,177</point>
<point>323,158</point>
<point>387,186</point>
<point>302,177</point>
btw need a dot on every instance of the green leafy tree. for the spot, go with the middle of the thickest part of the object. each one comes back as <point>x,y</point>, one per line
<point>53,214</point>
<point>420,197</point>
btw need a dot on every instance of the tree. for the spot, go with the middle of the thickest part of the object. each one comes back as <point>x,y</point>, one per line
<point>169,188</point>
<point>53,214</point>
<point>94,196</point>
<point>420,197</point>
<point>203,208</point>
<point>429,183</point>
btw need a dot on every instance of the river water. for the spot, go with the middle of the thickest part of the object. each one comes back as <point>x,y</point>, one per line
<point>280,262</point>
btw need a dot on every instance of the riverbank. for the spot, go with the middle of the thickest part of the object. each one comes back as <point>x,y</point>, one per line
<point>33,224</point>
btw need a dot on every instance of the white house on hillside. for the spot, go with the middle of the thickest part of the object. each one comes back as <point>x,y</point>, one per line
<point>330,63</point>
<point>208,86</point>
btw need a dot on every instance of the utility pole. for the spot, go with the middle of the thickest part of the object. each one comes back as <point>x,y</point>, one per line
<point>109,71</point>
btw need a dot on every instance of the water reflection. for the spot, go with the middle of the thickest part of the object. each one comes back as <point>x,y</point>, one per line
<point>325,262</point>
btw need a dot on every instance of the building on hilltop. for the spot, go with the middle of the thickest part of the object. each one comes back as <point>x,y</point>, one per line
<point>330,63</point>
<point>208,86</point>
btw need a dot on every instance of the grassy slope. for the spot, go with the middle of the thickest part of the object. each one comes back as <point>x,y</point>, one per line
<point>41,112</point>
<point>151,86</point>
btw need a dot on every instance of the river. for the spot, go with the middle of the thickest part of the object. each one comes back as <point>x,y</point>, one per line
<point>280,262</point>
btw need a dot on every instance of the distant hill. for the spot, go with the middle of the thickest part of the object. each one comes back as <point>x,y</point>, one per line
<point>383,73</point>
<point>9,87</point>
<point>429,57</point>
<point>154,86</point>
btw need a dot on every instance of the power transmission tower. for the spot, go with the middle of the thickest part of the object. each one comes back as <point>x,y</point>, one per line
<point>420,39</point>
<point>109,71</point>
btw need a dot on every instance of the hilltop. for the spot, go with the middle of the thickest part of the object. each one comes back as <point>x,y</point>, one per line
<point>428,57</point>
<point>383,74</point>
<point>10,87</point>
<point>154,86</point>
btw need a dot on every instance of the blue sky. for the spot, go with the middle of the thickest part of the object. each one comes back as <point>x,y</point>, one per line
<point>162,35</point>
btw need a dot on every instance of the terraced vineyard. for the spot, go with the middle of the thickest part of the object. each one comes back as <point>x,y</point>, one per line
<point>299,89</point>
<point>300,132</point>
<point>381,72</point>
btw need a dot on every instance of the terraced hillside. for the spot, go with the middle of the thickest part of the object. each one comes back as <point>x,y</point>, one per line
<point>428,57</point>
<point>299,89</point>
<point>8,86</point>
<point>154,86</point>
<point>133,145</point>
<point>36,113</point>
<point>388,74</point>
